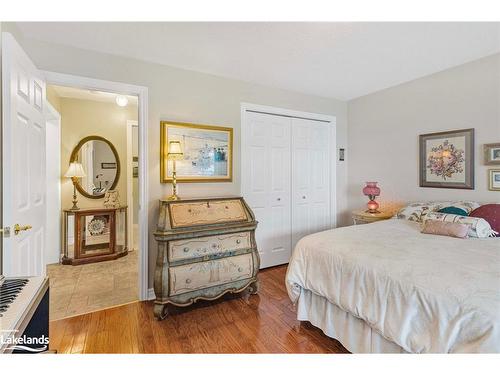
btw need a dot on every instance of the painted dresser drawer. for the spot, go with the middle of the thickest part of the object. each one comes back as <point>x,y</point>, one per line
<point>201,246</point>
<point>199,213</point>
<point>195,276</point>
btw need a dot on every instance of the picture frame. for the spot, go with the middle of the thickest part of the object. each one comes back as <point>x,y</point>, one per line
<point>494,179</point>
<point>207,149</point>
<point>492,154</point>
<point>108,165</point>
<point>446,159</point>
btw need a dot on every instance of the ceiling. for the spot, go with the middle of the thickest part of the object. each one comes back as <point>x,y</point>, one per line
<point>94,95</point>
<point>336,60</point>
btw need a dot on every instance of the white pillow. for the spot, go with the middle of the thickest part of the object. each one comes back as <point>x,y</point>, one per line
<point>478,227</point>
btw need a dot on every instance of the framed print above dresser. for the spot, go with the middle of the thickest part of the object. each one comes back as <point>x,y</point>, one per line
<point>206,248</point>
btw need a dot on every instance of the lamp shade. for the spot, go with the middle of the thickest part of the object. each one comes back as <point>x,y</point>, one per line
<point>175,151</point>
<point>371,189</point>
<point>75,170</point>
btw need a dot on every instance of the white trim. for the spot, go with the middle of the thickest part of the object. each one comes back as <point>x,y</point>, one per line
<point>292,113</point>
<point>151,294</point>
<point>130,181</point>
<point>142,93</point>
<point>53,116</point>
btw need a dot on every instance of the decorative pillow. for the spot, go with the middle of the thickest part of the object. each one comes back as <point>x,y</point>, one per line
<point>418,211</point>
<point>478,227</point>
<point>467,206</point>
<point>444,228</point>
<point>490,213</point>
<point>454,211</point>
<point>415,211</point>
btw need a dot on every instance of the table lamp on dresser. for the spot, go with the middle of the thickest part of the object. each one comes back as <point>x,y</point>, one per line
<point>75,170</point>
<point>174,153</point>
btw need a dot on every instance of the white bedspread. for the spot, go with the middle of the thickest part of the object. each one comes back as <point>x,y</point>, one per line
<point>426,293</point>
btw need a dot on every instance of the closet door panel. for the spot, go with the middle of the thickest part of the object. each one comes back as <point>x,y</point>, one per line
<point>310,178</point>
<point>267,155</point>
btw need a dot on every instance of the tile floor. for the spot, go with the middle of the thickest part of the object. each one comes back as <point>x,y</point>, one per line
<point>75,290</point>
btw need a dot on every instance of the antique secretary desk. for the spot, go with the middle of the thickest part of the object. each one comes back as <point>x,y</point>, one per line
<point>206,248</point>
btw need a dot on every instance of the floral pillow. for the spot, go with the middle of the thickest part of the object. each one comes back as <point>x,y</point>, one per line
<point>478,227</point>
<point>418,211</point>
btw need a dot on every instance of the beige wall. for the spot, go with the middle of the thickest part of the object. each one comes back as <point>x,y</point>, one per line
<point>53,98</point>
<point>384,128</point>
<point>182,95</point>
<point>81,118</point>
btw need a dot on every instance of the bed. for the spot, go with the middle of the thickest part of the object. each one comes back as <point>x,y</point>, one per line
<point>385,287</point>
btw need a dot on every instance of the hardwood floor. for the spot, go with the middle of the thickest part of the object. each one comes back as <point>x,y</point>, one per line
<point>263,323</point>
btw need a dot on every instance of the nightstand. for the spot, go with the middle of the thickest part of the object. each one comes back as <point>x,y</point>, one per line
<point>363,217</point>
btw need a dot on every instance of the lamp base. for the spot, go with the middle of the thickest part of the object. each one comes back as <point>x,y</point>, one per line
<point>75,201</point>
<point>372,207</point>
<point>173,197</point>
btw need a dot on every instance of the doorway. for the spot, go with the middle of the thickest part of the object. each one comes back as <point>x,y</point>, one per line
<point>96,266</point>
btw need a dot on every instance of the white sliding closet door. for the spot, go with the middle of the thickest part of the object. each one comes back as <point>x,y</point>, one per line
<point>266,183</point>
<point>310,178</point>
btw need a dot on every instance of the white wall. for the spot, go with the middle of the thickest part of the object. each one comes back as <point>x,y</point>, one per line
<point>182,95</point>
<point>384,129</point>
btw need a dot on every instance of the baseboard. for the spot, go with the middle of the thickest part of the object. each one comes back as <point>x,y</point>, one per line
<point>151,294</point>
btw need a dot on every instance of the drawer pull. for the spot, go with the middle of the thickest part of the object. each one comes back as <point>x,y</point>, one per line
<point>188,281</point>
<point>238,241</point>
<point>240,269</point>
<point>186,249</point>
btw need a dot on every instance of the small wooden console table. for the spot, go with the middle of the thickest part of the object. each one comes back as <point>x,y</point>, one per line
<point>94,235</point>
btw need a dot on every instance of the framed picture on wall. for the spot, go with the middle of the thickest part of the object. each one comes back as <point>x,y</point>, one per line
<point>447,159</point>
<point>494,177</point>
<point>207,152</point>
<point>492,154</point>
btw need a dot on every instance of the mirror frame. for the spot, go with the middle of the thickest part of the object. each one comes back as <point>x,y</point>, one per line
<point>73,158</point>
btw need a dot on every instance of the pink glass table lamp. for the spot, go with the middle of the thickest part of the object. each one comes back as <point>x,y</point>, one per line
<point>371,190</point>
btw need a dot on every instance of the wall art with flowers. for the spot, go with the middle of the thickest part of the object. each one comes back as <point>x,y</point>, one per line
<point>447,159</point>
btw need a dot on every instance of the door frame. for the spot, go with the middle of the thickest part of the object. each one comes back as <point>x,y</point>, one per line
<point>130,179</point>
<point>265,109</point>
<point>141,92</point>
<point>52,115</point>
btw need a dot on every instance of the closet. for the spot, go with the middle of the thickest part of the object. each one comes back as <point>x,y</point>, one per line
<point>286,179</point>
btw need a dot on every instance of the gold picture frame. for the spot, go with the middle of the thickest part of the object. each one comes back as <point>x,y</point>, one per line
<point>494,175</point>
<point>199,160</point>
<point>492,154</point>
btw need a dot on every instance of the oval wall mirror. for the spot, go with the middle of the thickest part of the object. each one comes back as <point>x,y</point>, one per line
<point>100,163</point>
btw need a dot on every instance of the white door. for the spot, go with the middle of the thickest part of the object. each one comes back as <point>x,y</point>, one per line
<point>310,177</point>
<point>266,183</point>
<point>23,95</point>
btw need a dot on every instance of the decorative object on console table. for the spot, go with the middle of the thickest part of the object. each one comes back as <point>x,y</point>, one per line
<point>174,153</point>
<point>74,172</point>
<point>111,199</point>
<point>208,152</point>
<point>447,159</point>
<point>206,248</point>
<point>494,179</point>
<point>364,217</point>
<point>94,235</point>
<point>371,190</point>
<point>492,154</point>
